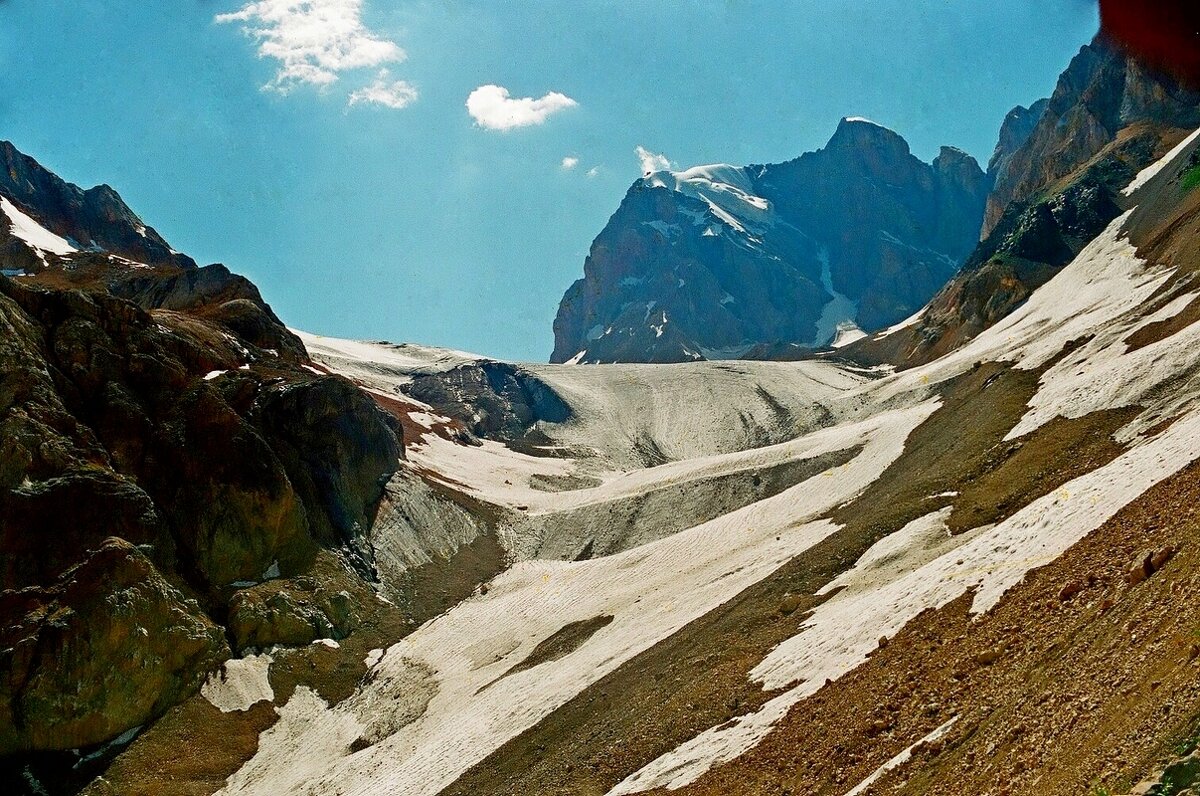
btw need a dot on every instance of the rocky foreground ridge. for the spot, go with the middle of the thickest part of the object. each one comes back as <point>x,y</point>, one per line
<point>178,482</point>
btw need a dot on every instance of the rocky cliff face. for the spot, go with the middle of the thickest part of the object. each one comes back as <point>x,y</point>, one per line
<point>1018,125</point>
<point>167,446</point>
<point>708,262</point>
<point>1102,92</point>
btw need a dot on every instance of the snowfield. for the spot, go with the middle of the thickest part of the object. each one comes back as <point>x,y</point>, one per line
<point>444,698</point>
<point>650,591</point>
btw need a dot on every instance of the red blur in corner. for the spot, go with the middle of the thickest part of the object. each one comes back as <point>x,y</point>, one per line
<point>1162,35</point>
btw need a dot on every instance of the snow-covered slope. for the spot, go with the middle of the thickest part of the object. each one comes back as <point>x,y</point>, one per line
<point>40,239</point>
<point>728,192</point>
<point>451,695</point>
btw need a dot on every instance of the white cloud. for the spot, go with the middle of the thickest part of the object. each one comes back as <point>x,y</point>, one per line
<point>651,161</point>
<point>569,163</point>
<point>492,108</point>
<point>593,172</point>
<point>314,41</point>
<point>385,91</point>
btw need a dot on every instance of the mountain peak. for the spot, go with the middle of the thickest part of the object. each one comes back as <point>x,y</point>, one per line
<point>96,219</point>
<point>1018,125</point>
<point>713,260</point>
<point>951,156</point>
<point>857,134</point>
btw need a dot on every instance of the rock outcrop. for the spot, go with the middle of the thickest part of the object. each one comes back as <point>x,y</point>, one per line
<point>1101,93</point>
<point>106,647</point>
<point>495,400</point>
<point>709,262</point>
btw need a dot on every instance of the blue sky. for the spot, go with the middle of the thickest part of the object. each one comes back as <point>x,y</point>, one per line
<point>347,178</point>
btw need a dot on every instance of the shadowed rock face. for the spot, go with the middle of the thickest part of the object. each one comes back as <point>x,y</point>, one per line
<point>338,450</point>
<point>95,218</point>
<point>165,449</point>
<point>495,400</point>
<point>712,261</point>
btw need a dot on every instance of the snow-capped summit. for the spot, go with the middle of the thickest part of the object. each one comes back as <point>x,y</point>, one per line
<point>713,260</point>
<point>727,190</point>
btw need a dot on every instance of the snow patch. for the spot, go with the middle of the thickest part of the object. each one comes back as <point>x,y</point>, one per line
<point>42,240</point>
<point>847,333</point>
<point>900,759</point>
<point>911,320</point>
<point>242,682</point>
<point>840,309</point>
<point>884,592</point>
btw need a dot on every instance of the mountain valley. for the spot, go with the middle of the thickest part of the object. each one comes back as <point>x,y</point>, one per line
<point>849,475</point>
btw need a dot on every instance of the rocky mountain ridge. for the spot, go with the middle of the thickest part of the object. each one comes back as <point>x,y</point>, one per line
<point>178,482</point>
<point>92,220</point>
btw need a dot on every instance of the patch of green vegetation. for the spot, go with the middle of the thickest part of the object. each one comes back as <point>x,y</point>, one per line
<point>1191,179</point>
<point>1187,745</point>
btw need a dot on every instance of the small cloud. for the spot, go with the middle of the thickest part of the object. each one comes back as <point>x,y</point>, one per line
<point>314,41</point>
<point>569,163</point>
<point>493,109</point>
<point>651,161</point>
<point>593,172</point>
<point>386,92</point>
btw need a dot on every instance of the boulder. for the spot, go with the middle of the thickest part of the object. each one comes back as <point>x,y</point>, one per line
<point>292,613</point>
<point>108,647</point>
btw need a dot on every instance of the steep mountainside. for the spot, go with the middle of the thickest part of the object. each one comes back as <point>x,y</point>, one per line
<point>1108,118</point>
<point>706,263</point>
<point>1101,93</point>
